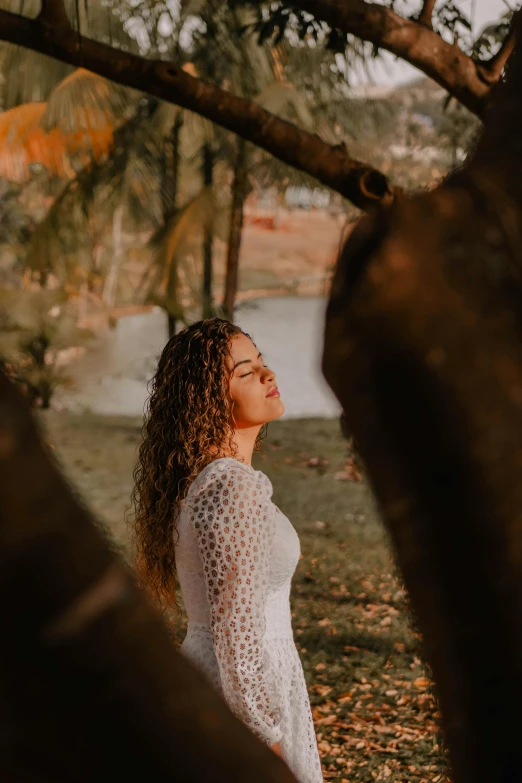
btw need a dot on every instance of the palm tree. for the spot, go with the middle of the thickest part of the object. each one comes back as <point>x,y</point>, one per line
<point>173,277</point>
<point>35,325</point>
<point>188,187</point>
<point>239,193</point>
<point>309,88</point>
<point>116,177</point>
<point>170,192</point>
<point>84,104</point>
<point>208,234</point>
<point>229,52</point>
<point>135,159</point>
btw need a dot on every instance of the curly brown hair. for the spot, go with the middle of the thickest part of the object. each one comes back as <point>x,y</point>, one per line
<point>187,425</point>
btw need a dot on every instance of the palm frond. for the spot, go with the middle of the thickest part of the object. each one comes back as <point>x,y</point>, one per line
<point>29,76</point>
<point>282,98</point>
<point>55,244</point>
<point>183,230</point>
<point>18,67</point>
<point>66,333</point>
<point>175,267</point>
<point>195,133</point>
<point>164,119</point>
<point>27,8</point>
<point>27,309</point>
<point>85,102</point>
<point>27,315</point>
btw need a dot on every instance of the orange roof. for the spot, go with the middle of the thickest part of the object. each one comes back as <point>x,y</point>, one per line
<point>23,141</point>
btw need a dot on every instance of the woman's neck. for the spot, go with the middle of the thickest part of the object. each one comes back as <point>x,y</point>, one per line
<point>245,441</point>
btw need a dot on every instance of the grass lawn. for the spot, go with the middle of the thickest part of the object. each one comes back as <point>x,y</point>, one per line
<point>375,715</point>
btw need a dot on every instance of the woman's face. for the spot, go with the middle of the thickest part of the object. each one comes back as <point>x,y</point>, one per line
<point>253,387</point>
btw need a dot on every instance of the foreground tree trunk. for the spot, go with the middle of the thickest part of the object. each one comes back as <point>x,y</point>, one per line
<point>423,349</point>
<point>92,687</point>
<point>239,190</point>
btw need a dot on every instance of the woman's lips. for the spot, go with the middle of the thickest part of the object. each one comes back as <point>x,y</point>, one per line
<point>273,393</point>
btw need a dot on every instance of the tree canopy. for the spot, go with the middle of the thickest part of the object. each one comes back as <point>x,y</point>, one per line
<point>138,45</point>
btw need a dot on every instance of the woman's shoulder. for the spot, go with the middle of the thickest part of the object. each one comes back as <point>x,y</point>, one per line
<point>222,472</point>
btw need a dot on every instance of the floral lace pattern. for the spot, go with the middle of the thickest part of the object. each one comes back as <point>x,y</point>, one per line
<point>235,556</point>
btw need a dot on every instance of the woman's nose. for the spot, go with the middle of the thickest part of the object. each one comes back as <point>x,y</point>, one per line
<point>268,376</point>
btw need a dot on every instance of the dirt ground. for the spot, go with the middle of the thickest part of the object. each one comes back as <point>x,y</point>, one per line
<point>375,714</point>
<point>296,257</point>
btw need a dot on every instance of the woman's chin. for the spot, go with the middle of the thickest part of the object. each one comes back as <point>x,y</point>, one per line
<point>278,408</point>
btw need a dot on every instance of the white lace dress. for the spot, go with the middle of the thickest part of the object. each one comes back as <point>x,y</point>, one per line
<point>235,557</point>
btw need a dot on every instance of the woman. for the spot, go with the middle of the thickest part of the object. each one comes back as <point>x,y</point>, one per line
<point>205,514</point>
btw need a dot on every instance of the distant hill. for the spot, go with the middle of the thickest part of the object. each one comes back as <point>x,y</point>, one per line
<point>420,102</point>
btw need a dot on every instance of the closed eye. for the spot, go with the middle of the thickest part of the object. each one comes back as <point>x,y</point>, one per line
<point>245,375</point>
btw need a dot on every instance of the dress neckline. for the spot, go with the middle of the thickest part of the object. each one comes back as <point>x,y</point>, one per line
<point>231,459</point>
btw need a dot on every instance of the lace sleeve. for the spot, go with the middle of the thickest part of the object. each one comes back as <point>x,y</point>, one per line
<point>234,534</point>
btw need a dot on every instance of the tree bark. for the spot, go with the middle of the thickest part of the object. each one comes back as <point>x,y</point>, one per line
<point>414,42</point>
<point>171,186</point>
<point>169,189</point>
<point>426,14</point>
<point>330,165</point>
<point>92,687</point>
<point>239,189</point>
<point>422,348</point>
<point>208,235</point>
<point>171,324</point>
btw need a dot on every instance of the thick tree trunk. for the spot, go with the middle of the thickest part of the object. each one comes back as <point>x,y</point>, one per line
<point>92,687</point>
<point>239,190</point>
<point>208,235</point>
<point>423,349</point>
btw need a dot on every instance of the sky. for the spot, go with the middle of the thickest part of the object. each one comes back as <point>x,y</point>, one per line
<point>388,70</point>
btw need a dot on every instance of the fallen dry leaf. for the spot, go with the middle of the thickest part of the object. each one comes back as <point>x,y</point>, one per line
<point>326,721</point>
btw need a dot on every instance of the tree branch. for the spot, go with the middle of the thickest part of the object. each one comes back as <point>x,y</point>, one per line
<point>426,15</point>
<point>53,14</point>
<point>330,165</point>
<point>499,146</point>
<point>413,42</point>
<point>492,69</point>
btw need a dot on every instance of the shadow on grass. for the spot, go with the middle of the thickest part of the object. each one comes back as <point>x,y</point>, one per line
<point>315,641</point>
<point>306,590</point>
